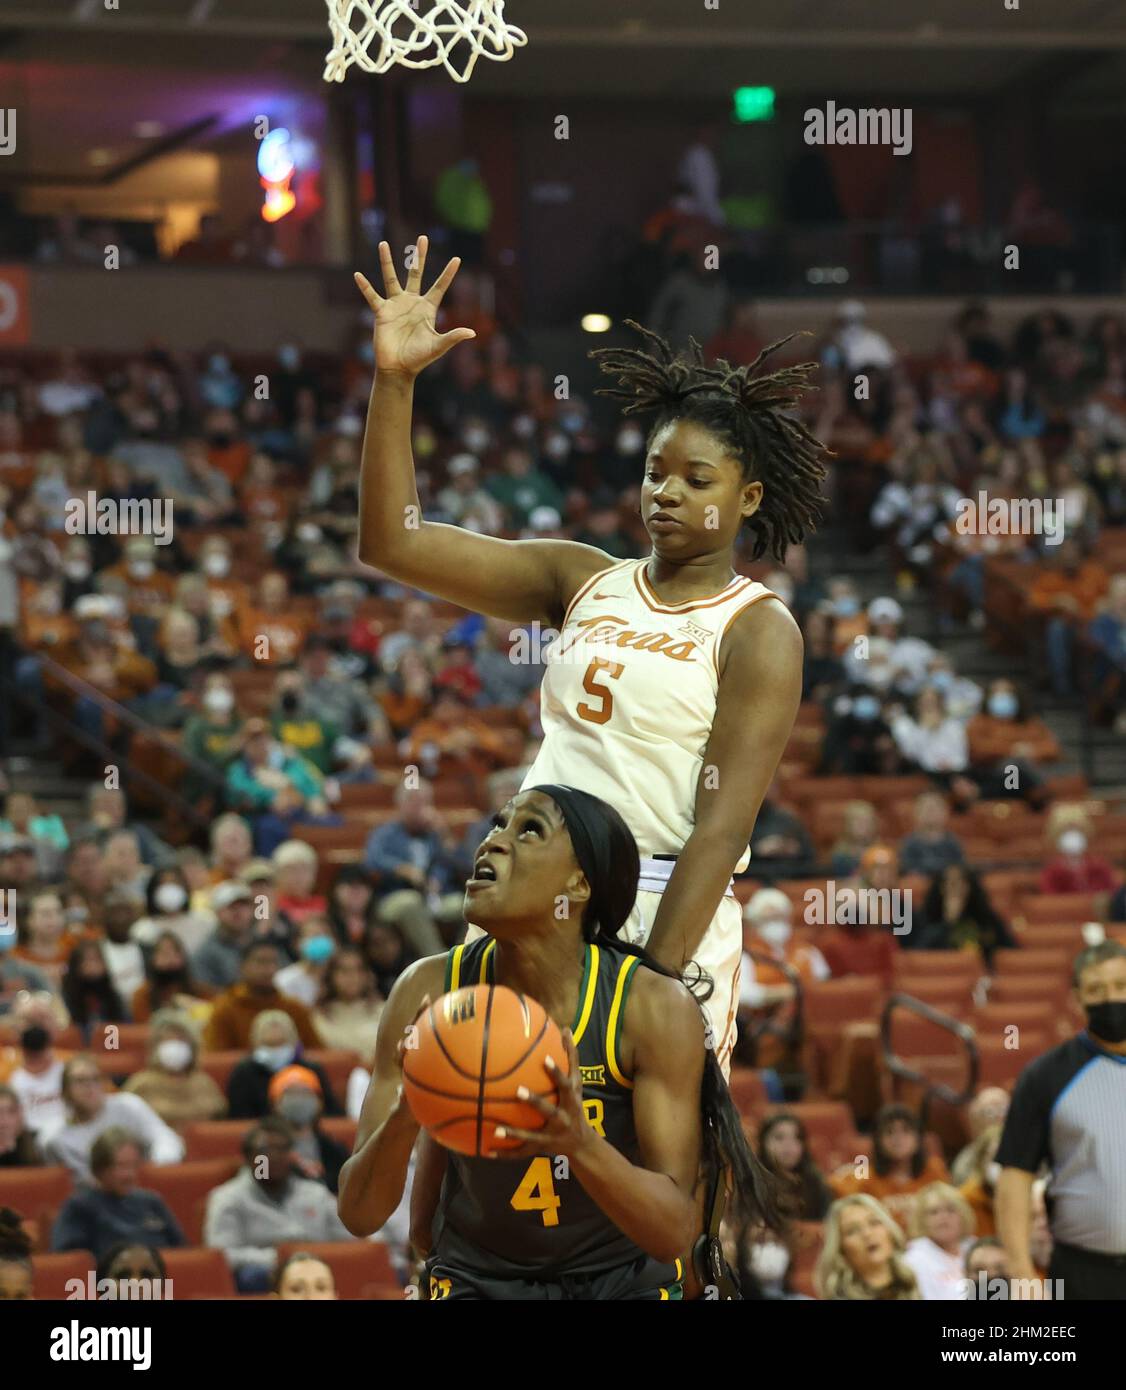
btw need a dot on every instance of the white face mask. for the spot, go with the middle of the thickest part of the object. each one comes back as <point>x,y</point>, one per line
<point>174,1054</point>
<point>216,564</point>
<point>219,701</point>
<point>76,569</point>
<point>769,1262</point>
<point>274,1058</point>
<point>141,569</point>
<point>170,897</point>
<point>475,440</point>
<point>775,933</point>
<point>629,441</point>
<point>1072,842</point>
<point>524,426</point>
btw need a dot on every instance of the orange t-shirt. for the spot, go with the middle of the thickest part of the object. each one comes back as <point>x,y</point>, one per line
<point>286,635</point>
<point>53,965</point>
<point>897,1194</point>
<point>232,461</point>
<point>1086,587</point>
<point>981,1201</point>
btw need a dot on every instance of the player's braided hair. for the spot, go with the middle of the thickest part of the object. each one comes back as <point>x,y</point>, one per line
<point>751,413</point>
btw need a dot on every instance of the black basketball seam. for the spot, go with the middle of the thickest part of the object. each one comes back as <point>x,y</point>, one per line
<point>527,1051</point>
<point>482,1081</point>
<point>445,1052</point>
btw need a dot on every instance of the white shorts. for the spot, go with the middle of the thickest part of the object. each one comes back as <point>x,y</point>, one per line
<point>720,956</point>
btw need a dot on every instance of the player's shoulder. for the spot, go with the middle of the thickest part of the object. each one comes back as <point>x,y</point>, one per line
<point>764,628</point>
<point>424,976</point>
<point>576,566</point>
<point>660,1003</point>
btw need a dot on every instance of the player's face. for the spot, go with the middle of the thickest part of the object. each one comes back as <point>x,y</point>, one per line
<point>693,497</point>
<point>524,871</point>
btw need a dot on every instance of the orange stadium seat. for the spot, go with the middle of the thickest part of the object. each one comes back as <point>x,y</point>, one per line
<point>829,1124</point>
<point>360,1267</point>
<point>942,964</point>
<point>747,1090</point>
<point>337,1064</point>
<point>120,1037</point>
<point>1053,908</point>
<point>219,1065</point>
<point>953,994</point>
<point>1023,962</point>
<point>912,1036</point>
<point>1001,1065</point>
<point>119,1065</point>
<point>1051,938</point>
<point>199,1272</point>
<point>991,1020</point>
<point>36,1194</point>
<point>215,1138</point>
<point>807,1240</point>
<point>832,1003</point>
<point>185,1187</point>
<point>341,1128</point>
<point>1029,988</point>
<point>50,1274</point>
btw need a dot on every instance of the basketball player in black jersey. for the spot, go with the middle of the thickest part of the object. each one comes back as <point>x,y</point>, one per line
<point>599,1204</point>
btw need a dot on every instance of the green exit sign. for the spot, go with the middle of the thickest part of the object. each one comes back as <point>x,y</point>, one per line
<point>754,104</point>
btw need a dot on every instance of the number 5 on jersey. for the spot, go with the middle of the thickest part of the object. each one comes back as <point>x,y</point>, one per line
<point>537,1192</point>
<point>601,713</point>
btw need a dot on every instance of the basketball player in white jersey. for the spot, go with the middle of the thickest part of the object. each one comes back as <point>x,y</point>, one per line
<point>674,683</point>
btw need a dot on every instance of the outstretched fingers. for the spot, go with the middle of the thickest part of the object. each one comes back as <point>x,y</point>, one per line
<point>441,285</point>
<point>414,275</point>
<point>374,300</point>
<point>391,284</point>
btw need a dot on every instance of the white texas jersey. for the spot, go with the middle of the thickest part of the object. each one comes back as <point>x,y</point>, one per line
<point>629,698</point>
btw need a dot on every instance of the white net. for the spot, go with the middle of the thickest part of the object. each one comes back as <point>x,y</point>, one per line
<point>377,34</point>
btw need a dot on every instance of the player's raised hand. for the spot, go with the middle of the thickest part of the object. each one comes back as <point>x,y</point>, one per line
<point>565,1129</point>
<point>405,337</point>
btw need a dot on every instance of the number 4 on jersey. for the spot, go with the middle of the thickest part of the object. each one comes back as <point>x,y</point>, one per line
<point>537,1192</point>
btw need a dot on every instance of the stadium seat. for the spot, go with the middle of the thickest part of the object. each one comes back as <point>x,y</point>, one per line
<point>219,1065</point>
<point>337,1064</point>
<point>111,1038</point>
<point>826,1120</point>
<point>36,1194</point>
<point>747,1090</point>
<point>199,1272</point>
<point>1001,1065</point>
<point>360,1267</point>
<point>1022,962</point>
<point>51,1273</point>
<point>1053,908</point>
<point>186,1186</point>
<point>912,1036</point>
<point>991,1020</point>
<point>807,1240</point>
<point>341,1128</point>
<point>1030,988</point>
<point>953,994</point>
<point>119,1065</point>
<point>215,1138</point>
<point>1066,938</point>
<point>832,1003</point>
<point>939,964</point>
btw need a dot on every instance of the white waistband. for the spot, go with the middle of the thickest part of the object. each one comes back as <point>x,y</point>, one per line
<point>655,874</point>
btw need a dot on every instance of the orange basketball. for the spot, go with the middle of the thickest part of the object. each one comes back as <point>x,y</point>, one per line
<point>471,1050</point>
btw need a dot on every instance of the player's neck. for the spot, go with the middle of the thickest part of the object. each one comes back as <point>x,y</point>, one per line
<point>675,581</point>
<point>547,968</point>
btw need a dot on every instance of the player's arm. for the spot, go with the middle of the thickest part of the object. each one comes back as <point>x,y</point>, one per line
<point>373,1179</point>
<point>663,1045</point>
<point>522,581</point>
<point>759,696</point>
<point>430,1169</point>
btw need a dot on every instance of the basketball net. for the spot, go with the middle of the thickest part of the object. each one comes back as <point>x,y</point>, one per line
<point>377,34</point>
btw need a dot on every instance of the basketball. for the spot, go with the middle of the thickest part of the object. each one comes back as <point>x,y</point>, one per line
<point>472,1050</point>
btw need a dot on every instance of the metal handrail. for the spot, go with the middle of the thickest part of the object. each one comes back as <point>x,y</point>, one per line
<point>900,1069</point>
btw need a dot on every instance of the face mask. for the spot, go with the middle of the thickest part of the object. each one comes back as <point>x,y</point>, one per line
<point>524,426</point>
<point>221,439</point>
<point>775,933</point>
<point>1072,842</point>
<point>299,1110</point>
<point>290,701</point>
<point>216,564</point>
<point>174,1054</point>
<point>141,569</point>
<point>167,974</point>
<point>317,948</point>
<point>274,1058</point>
<point>35,1039</point>
<point>170,897</point>
<point>76,570</point>
<point>289,357</point>
<point>76,914</point>
<point>219,701</point>
<point>218,363</point>
<point>557,447</point>
<point>866,708</point>
<point>1108,1021</point>
<point>308,533</point>
<point>475,440</point>
<point>846,607</point>
<point>942,680</point>
<point>629,441</point>
<point>993,1173</point>
<point>769,1262</point>
<point>1003,705</point>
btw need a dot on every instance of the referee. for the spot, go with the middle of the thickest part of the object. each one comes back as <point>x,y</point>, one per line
<point>1069,1111</point>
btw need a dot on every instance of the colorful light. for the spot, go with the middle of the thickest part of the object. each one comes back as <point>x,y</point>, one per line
<point>276,166</point>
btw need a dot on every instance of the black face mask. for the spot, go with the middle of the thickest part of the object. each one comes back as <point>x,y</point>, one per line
<point>35,1039</point>
<point>1108,1021</point>
<point>290,701</point>
<point>166,976</point>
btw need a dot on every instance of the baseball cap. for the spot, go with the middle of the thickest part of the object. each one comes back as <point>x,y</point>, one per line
<point>282,1080</point>
<point>462,463</point>
<point>885,610</point>
<point>256,871</point>
<point>230,892</point>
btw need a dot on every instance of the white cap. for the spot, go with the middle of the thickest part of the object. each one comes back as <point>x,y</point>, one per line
<point>544,519</point>
<point>767,905</point>
<point>851,310</point>
<point>885,610</point>
<point>462,463</point>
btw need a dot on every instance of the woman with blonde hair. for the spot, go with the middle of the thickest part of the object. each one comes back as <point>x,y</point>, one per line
<point>942,1224</point>
<point>862,1259</point>
<point>979,1187</point>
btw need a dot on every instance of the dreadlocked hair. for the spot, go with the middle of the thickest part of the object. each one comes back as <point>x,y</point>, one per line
<point>751,413</point>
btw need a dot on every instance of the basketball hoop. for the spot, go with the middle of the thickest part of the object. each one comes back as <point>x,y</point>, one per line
<point>377,34</point>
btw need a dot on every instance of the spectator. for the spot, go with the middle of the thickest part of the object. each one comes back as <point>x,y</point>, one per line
<point>900,1161</point>
<point>274,1044</point>
<point>295,1095</point>
<point>218,962</point>
<point>465,501</point>
<point>170,983</point>
<point>214,735</point>
<point>304,979</point>
<point>34,1070</point>
<point>387,954</point>
<point>234,1011</point>
<point>340,697</point>
<point>124,958</point>
<point>46,943</point>
<point>931,847</point>
<point>861,829</point>
<point>16,1274</point>
<point>1066,591</point>
<point>172,1082</point>
<point>114,1208</point>
<point>231,848</point>
<point>932,740</point>
<point>16,977</point>
<point>407,692</point>
<point>18,863</point>
<point>859,948</point>
<point>281,789</point>
<point>133,1269</point>
<point>1006,737</point>
<point>351,904</point>
<point>942,1226</point>
<point>415,868</point>
<point>822,669</point>
<point>521,488</point>
<point>762,1263</point>
<point>265,1204</point>
<point>765,992</point>
<point>90,1112</point>
<point>22,817</point>
<point>107,810</point>
<point>858,741</point>
<point>450,730</point>
<point>416,633</point>
<point>19,1147</point>
<point>784,1147</point>
<point>958,916</point>
<point>862,1258</point>
<point>854,346</point>
<point>1067,1112</point>
<point>987,1266</point>
<point>298,723</point>
<point>1107,634</point>
<point>988,1108</point>
<point>123,864</point>
<point>295,873</point>
<point>168,900</point>
<point>780,843</point>
<point>304,1277</point>
<point>348,1014</point>
<point>1074,869</point>
<point>980,1187</point>
<point>88,991</point>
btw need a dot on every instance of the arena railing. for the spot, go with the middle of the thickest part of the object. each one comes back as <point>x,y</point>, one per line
<point>932,1090</point>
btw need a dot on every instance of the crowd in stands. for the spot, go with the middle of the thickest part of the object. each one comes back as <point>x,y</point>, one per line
<point>199,969</point>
